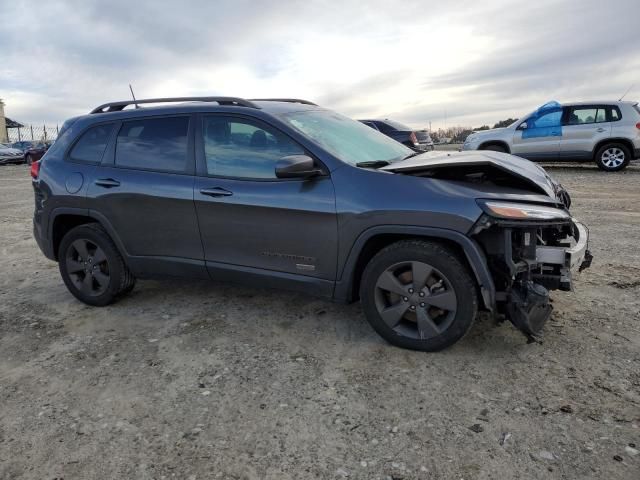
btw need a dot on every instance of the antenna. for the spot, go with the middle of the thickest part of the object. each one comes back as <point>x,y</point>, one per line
<point>628,90</point>
<point>135,102</point>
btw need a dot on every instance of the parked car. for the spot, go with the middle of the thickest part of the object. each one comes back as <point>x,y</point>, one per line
<point>418,140</point>
<point>24,145</point>
<point>10,155</point>
<point>36,152</point>
<point>287,194</point>
<point>607,133</point>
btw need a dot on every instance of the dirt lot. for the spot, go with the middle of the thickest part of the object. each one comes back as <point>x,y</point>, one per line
<point>203,380</point>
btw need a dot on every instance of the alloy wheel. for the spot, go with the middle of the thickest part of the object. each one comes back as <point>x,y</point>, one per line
<point>88,267</point>
<point>612,157</point>
<point>415,300</point>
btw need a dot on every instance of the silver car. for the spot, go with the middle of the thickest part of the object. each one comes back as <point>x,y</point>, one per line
<point>10,155</point>
<point>605,132</point>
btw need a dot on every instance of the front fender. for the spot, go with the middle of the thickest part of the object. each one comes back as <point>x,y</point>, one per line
<point>343,290</point>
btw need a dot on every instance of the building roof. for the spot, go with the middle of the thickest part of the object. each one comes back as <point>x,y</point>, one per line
<point>12,123</point>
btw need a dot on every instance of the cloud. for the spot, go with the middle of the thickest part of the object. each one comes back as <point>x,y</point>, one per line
<point>475,62</point>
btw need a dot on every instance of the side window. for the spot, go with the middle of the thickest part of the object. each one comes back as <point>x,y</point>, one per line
<point>551,119</point>
<point>92,144</point>
<point>153,144</point>
<point>243,148</point>
<point>615,114</point>
<point>582,115</point>
<point>383,127</point>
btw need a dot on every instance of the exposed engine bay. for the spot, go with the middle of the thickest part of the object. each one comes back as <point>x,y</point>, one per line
<point>527,261</point>
<point>528,256</point>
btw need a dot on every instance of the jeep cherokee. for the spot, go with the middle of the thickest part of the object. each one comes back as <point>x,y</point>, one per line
<point>283,193</point>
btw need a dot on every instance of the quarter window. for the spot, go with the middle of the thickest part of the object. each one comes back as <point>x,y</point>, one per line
<point>153,144</point>
<point>92,144</point>
<point>615,114</point>
<point>243,148</point>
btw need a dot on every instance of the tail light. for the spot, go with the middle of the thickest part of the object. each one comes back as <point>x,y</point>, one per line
<point>638,125</point>
<point>35,169</point>
<point>413,138</point>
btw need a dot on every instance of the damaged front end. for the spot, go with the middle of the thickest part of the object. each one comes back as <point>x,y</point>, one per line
<point>531,249</point>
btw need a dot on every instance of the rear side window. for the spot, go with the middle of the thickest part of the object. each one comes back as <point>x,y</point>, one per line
<point>615,114</point>
<point>92,144</point>
<point>153,144</point>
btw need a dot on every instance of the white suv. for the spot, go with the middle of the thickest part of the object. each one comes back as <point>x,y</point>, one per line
<point>605,132</point>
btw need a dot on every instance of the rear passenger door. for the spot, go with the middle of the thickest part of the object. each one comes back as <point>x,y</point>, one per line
<point>144,190</point>
<point>583,127</point>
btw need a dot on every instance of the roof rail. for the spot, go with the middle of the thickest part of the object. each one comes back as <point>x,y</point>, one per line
<point>289,100</point>
<point>118,106</point>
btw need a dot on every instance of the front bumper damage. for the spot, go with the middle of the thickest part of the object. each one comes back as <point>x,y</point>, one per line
<point>527,261</point>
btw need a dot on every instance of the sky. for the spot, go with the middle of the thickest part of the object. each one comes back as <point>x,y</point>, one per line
<point>446,63</point>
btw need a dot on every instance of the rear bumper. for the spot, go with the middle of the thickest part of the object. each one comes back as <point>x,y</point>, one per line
<point>423,147</point>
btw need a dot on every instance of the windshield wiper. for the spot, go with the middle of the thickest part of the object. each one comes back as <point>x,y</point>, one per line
<point>412,155</point>
<point>373,164</point>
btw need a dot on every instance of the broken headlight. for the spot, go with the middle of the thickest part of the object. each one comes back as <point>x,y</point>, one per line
<point>522,211</point>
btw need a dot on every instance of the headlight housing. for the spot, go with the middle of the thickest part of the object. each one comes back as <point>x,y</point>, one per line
<point>522,211</point>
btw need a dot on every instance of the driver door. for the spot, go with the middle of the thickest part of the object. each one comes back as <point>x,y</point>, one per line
<point>252,221</point>
<point>538,137</point>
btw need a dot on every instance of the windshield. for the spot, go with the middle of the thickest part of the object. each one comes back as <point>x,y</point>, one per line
<point>346,139</point>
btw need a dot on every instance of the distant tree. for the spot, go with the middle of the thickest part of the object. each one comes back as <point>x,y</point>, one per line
<point>461,135</point>
<point>484,127</point>
<point>504,123</point>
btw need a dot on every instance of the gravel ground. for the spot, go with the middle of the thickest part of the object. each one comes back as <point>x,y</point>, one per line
<point>204,380</point>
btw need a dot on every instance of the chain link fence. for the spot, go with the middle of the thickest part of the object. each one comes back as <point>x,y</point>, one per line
<point>38,133</point>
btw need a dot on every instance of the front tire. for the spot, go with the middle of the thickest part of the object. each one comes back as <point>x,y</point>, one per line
<point>418,294</point>
<point>613,157</point>
<point>91,266</point>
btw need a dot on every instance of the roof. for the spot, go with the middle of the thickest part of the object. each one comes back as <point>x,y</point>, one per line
<point>599,102</point>
<point>12,123</point>
<point>269,104</point>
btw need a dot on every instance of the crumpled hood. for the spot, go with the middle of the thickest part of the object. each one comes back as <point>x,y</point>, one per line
<point>517,166</point>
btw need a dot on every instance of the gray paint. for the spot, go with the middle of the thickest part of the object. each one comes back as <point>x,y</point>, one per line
<point>264,230</point>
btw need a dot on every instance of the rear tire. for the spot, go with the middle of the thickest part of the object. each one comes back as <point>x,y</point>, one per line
<point>419,295</point>
<point>91,266</point>
<point>613,157</point>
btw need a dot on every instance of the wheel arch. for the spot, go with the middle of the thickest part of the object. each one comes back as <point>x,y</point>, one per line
<point>500,143</point>
<point>64,219</point>
<point>374,239</point>
<point>624,141</point>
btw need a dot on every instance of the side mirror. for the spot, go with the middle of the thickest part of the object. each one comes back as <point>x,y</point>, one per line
<point>296,166</point>
<point>523,126</point>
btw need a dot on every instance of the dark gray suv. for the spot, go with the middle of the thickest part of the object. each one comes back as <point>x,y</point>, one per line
<point>283,193</point>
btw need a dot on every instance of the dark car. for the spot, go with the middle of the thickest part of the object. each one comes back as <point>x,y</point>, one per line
<point>290,195</point>
<point>24,145</point>
<point>36,151</point>
<point>418,140</point>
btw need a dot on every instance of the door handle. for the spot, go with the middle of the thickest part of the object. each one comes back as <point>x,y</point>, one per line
<point>107,182</point>
<point>600,130</point>
<point>216,192</point>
